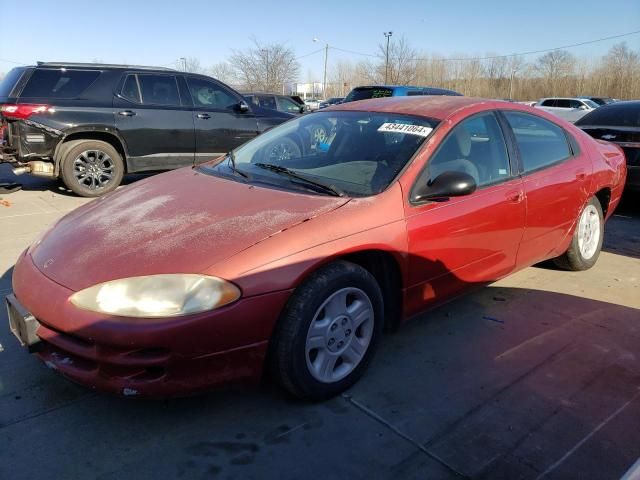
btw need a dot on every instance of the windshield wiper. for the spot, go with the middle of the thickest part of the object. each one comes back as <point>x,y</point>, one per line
<point>232,164</point>
<point>293,174</point>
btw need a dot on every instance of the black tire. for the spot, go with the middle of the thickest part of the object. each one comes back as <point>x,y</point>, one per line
<point>288,356</point>
<point>573,259</point>
<point>90,187</point>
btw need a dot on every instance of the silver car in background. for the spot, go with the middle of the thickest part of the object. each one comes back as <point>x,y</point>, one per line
<point>570,109</point>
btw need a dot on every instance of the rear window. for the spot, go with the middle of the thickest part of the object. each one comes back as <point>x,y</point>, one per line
<point>9,81</point>
<point>365,93</point>
<point>623,114</point>
<point>59,83</point>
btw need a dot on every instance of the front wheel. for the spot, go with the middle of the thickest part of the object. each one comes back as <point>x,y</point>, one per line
<point>91,168</point>
<point>328,331</point>
<point>587,239</point>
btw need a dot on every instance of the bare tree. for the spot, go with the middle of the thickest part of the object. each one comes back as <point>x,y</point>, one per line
<point>555,66</point>
<point>622,65</point>
<point>224,72</point>
<point>265,67</point>
<point>189,64</point>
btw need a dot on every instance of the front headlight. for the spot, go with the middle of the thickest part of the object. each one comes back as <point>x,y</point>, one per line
<point>152,296</point>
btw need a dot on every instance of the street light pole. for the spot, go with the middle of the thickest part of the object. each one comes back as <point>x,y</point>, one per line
<point>386,63</point>
<point>184,63</point>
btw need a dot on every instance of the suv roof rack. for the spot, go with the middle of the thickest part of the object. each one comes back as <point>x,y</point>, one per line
<point>101,65</point>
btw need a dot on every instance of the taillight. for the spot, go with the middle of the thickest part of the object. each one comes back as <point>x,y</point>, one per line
<point>24,111</point>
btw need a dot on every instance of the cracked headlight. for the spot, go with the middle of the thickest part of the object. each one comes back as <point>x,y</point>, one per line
<point>167,295</point>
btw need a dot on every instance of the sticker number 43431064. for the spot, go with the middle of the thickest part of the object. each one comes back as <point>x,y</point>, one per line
<point>418,130</point>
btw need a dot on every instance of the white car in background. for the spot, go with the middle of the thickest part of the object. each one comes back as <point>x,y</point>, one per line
<point>312,103</point>
<point>570,109</point>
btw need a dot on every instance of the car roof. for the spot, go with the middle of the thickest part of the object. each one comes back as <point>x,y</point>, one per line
<point>438,107</point>
<point>110,66</point>
<point>564,98</point>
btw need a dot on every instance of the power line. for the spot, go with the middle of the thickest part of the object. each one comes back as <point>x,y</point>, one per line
<point>530,52</point>
<point>311,53</point>
<point>11,61</point>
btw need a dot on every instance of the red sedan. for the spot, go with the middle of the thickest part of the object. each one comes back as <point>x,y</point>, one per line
<point>293,251</point>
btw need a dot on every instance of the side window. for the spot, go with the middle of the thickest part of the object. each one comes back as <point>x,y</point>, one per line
<point>575,103</point>
<point>540,142</point>
<point>413,93</point>
<point>59,83</point>
<point>207,94</point>
<point>159,89</point>
<point>548,103</point>
<point>477,147</point>
<point>267,101</point>
<point>563,103</point>
<point>130,89</point>
<point>287,105</point>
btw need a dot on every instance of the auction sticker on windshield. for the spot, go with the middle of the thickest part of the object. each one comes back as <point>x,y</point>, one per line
<point>405,128</point>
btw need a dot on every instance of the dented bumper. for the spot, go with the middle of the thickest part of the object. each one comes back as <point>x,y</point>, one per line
<point>142,357</point>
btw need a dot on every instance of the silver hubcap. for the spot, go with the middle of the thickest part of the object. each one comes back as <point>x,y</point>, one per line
<point>589,232</point>
<point>339,335</point>
<point>93,169</point>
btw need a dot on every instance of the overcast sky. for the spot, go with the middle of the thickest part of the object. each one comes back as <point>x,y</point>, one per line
<point>159,32</point>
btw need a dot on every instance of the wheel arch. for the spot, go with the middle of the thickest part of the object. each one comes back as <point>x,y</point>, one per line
<point>604,197</point>
<point>106,136</point>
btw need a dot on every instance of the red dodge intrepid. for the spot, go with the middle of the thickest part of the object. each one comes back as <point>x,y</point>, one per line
<point>293,251</point>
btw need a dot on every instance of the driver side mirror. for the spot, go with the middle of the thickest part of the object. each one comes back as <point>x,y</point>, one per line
<point>582,107</point>
<point>302,109</point>
<point>243,107</point>
<point>447,184</point>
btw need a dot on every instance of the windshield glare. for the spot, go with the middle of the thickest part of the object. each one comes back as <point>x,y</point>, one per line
<point>355,153</point>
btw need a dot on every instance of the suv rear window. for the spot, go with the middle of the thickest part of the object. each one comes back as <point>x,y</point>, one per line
<point>59,83</point>
<point>365,93</point>
<point>9,81</point>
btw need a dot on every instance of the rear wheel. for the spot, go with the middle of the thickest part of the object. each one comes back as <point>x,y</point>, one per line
<point>587,239</point>
<point>328,331</point>
<point>91,168</point>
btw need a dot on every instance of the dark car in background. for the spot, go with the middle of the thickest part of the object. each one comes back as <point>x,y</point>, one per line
<point>331,101</point>
<point>282,103</point>
<point>89,124</point>
<point>619,123</point>
<point>381,91</point>
<point>599,100</point>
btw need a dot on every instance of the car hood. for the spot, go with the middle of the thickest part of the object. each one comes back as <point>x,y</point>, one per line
<point>178,222</point>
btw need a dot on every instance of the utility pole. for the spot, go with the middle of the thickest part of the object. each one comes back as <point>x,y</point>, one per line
<point>184,64</point>
<point>266,52</point>
<point>513,72</point>
<point>324,77</point>
<point>386,63</point>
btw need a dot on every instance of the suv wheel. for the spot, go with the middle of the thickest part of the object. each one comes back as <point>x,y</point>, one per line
<point>91,168</point>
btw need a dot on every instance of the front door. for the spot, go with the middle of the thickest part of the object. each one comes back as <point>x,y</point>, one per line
<point>470,240</point>
<point>155,123</point>
<point>220,124</point>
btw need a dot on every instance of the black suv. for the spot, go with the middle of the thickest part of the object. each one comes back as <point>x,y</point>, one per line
<point>89,124</point>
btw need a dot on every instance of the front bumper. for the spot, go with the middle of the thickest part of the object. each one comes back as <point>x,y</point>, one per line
<point>633,178</point>
<point>144,357</point>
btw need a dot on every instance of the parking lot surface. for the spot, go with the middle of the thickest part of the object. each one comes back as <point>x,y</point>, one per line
<point>535,376</point>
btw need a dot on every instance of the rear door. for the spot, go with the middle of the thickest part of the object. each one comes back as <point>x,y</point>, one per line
<point>464,241</point>
<point>220,124</point>
<point>555,175</point>
<point>154,121</point>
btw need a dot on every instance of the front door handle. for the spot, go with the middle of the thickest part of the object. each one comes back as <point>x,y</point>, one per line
<point>580,175</point>
<point>204,116</point>
<point>127,113</point>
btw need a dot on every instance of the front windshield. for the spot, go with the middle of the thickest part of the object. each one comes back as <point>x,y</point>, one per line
<point>591,103</point>
<point>345,153</point>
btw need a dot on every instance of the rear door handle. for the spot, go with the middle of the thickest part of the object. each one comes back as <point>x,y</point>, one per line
<point>204,116</point>
<point>127,113</point>
<point>515,197</point>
